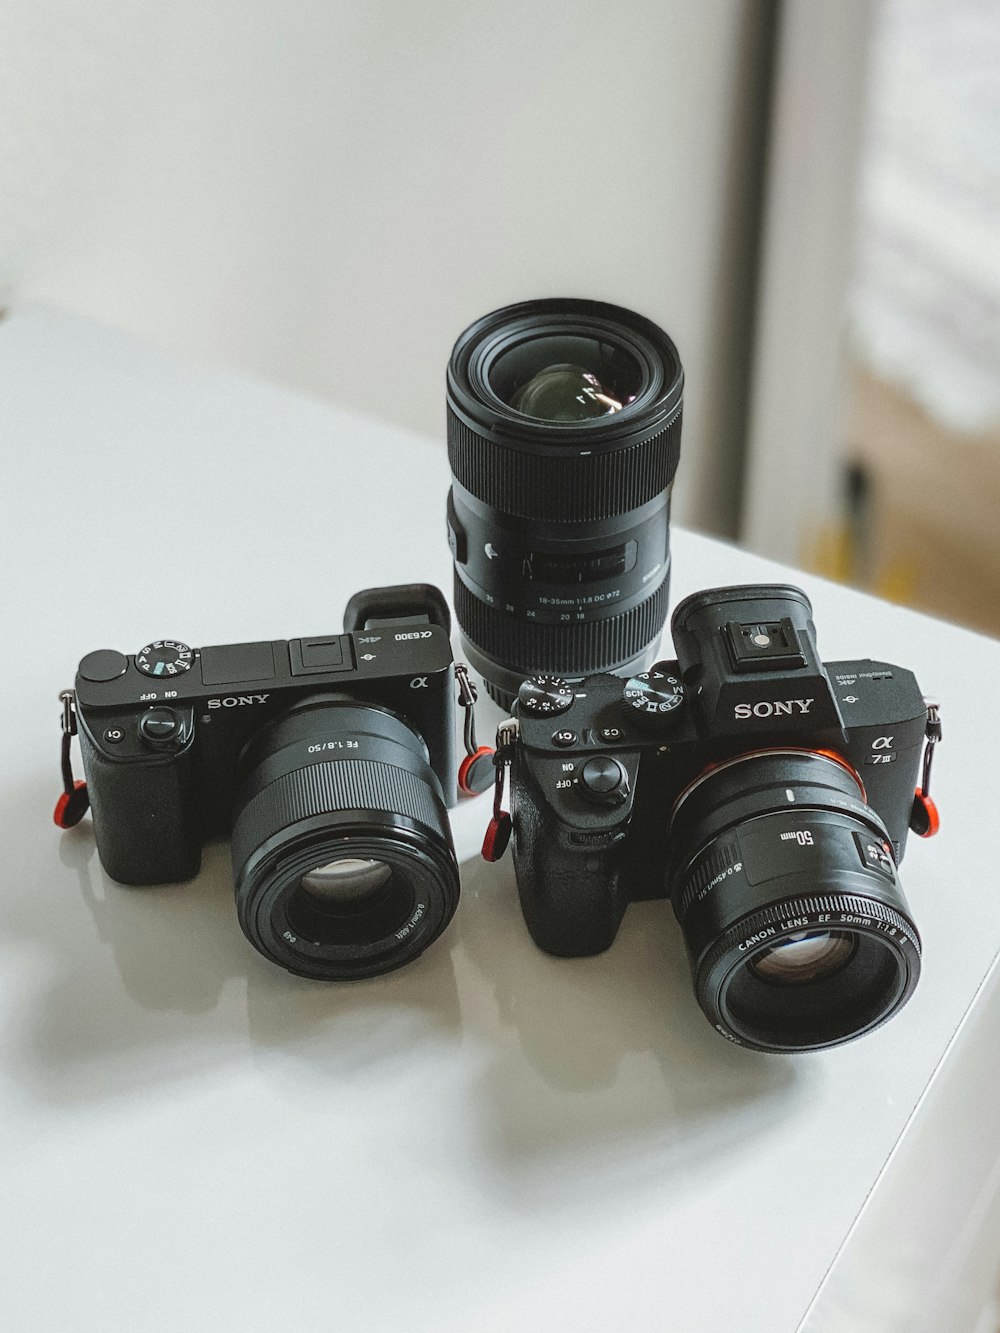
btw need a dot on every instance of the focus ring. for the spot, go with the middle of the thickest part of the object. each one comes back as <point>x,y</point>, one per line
<point>348,784</point>
<point>575,649</point>
<point>563,486</point>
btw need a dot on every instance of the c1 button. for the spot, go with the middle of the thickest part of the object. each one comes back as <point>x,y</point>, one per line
<point>158,724</point>
<point>564,738</point>
<point>113,735</point>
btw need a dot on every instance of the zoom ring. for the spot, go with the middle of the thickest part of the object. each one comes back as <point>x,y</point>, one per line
<point>575,649</point>
<point>350,784</point>
<point>564,487</point>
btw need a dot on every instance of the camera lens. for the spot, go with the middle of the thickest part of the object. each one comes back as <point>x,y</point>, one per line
<point>342,854</point>
<point>784,883</point>
<point>564,422</point>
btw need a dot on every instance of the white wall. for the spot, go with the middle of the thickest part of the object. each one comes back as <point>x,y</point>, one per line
<point>327,193</point>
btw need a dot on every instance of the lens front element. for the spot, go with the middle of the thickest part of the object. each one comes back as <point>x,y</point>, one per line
<point>807,955</point>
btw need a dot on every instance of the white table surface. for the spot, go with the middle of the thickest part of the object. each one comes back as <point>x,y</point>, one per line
<point>487,1139</point>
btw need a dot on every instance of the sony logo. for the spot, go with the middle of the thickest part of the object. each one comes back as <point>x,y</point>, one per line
<point>238,700</point>
<point>779,708</point>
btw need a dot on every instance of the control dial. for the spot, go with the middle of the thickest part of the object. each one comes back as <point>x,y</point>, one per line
<point>655,693</point>
<point>165,657</point>
<point>544,696</point>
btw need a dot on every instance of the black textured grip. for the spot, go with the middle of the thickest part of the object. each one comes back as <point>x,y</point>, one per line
<point>575,649</point>
<point>347,784</point>
<point>564,486</point>
<point>572,899</point>
<point>145,821</point>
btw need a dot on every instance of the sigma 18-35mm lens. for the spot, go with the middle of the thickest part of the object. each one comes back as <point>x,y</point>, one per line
<point>564,425</point>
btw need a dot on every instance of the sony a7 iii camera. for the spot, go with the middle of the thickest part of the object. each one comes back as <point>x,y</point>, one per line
<point>330,761</point>
<point>766,793</point>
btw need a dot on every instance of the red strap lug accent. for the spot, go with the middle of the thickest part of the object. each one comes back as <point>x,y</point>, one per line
<point>71,806</point>
<point>924,819</point>
<point>497,837</point>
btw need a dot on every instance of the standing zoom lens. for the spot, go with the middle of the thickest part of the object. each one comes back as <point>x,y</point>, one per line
<point>784,884</point>
<point>342,855</point>
<point>564,425</point>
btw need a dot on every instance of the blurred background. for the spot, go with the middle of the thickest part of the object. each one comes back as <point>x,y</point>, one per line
<point>324,194</point>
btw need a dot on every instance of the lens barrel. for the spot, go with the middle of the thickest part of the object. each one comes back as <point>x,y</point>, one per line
<point>784,884</point>
<point>564,423</point>
<point>342,855</point>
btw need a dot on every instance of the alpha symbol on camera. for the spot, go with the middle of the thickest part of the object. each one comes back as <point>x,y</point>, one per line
<point>882,743</point>
<point>419,683</point>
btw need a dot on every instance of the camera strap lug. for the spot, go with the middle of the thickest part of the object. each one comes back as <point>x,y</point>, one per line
<point>74,802</point>
<point>498,830</point>
<point>924,818</point>
<point>475,773</point>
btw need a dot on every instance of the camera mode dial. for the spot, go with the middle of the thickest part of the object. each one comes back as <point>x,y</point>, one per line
<point>544,696</point>
<point>655,694</point>
<point>164,657</point>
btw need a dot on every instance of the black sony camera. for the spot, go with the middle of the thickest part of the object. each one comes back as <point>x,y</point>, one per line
<point>330,760</point>
<point>766,793</point>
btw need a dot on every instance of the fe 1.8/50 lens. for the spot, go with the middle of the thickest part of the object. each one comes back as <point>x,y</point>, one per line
<point>564,422</point>
<point>342,854</point>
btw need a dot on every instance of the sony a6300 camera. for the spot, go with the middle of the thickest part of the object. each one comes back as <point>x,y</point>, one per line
<point>330,760</point>
<point>766,793</point>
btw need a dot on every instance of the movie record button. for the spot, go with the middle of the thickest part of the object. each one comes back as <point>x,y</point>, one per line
<point>565,738</point>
